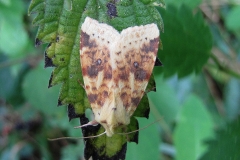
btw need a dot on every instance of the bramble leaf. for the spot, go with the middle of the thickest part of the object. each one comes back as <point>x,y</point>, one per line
<point>189,3</point>
<point>59,24</point>
<point>186,45</point>
<point>13,36</point>
<point>193,127</point>
<point>226,141</point>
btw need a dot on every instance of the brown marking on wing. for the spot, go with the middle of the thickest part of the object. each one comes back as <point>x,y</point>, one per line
<point>144,60</point>
<point>134,67</point>
<point>140,74</point>
<point>124,75</point>
<point>108,72</point>
<point>85,41</point>
<point>150,47</point>
<point>100,102</point>
<point>93,70</point>
<point>120,77</point>
<point>125,96</point>
<point>87,87</point>
<point>92,98</point>
<point>141,62</point>
<point>103,94</point>
<point>97,61</point>
<point>95,57</point>
<point>135,101</point>
<point>122,68</point>
<point>96,68</point>
<point>94,88</point>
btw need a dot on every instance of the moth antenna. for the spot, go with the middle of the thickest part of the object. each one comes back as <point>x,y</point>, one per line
<point>140,128</point>
<point>91,123</point>
<point>56,139</point>
<point>81,84</point>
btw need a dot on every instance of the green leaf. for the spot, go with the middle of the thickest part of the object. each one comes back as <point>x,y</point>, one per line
<point>59,25</point>
<point>71,152</point>
<point>190,3</point>
<point>232,19</point>
<point>36,92</point>
<point>186,42</point>
<point>63,52</point>
<point>194,125</point>
<point>104,147</point>
<point>7,87</point>
<point>226,145</point>
<point>232,99</point>
<point>160,99</point>
<point>13,39</point>
<point>143,108</point>
<point>5,2</point>
<point>148,146</point>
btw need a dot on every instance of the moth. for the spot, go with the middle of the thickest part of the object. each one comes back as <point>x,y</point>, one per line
<point>116,68</point>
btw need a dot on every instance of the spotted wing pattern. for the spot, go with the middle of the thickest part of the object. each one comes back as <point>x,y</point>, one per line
<point>116,68</point>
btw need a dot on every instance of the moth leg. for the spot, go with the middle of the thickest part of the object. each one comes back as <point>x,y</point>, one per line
<point>81,84</point>
<point>91,123</point>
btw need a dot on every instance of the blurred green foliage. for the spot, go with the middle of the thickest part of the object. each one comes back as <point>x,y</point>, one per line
<point>199,106</point>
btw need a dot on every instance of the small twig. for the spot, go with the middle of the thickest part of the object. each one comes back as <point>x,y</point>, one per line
<point>226,68</point>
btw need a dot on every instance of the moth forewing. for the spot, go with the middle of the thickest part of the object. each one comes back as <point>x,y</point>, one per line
<point>116,68</point>
<point>139,46</point>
